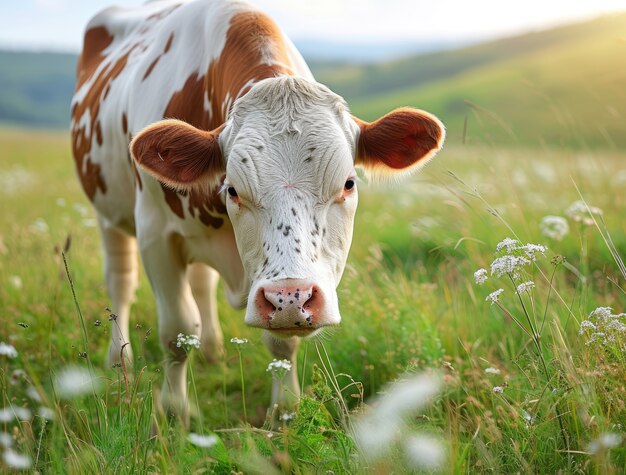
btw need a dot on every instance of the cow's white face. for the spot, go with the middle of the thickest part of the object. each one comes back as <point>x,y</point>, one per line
<point>291,196</point>
<point>288,151</point>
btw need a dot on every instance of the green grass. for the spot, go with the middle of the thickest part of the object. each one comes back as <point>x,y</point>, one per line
<point>409,304</point>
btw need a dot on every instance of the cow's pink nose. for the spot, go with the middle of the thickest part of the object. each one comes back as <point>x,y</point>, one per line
<point>289,307</point>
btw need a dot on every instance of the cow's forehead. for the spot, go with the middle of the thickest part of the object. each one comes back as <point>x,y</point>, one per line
<point>290,133</point>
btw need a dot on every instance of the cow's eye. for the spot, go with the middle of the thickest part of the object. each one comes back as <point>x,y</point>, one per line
<point>232,192</point>
<point>349,184</point>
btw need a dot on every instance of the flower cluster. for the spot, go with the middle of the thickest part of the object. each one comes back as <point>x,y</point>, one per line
<point>579,212</point>
<point>604,327</point>
<point>187,342</point>
<point>279,368</point>
<point>7,350</point>
<point>554,227</point>
<point>239,341</point>
<point>512,257</point>
<point>493,297</point>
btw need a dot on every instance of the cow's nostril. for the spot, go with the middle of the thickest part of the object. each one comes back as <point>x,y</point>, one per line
<point>265,306</point>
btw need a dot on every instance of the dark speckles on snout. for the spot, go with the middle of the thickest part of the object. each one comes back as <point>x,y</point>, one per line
<point>244,160</point>
<point>287,230</point>
<point>293,211</point>
<point>297,249</point>
<point>280,226</point>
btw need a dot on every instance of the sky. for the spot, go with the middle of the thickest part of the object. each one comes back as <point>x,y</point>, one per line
<point>58,24</point>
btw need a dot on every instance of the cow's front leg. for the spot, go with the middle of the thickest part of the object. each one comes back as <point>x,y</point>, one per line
<point>285,392</point>
<point>178,313</point>
<point>203,280</point>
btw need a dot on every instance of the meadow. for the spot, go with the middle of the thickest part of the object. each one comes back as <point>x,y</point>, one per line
<point>518,382</point>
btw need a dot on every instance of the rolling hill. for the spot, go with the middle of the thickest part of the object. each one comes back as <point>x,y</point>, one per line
<point>561,87</point>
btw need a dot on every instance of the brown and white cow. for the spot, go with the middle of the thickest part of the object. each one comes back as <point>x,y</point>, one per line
<point>251,176</point>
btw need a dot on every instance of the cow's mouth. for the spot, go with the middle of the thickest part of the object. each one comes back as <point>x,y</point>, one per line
<point>293,331</point>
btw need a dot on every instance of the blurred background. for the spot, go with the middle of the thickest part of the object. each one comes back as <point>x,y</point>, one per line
<point>529,73</point>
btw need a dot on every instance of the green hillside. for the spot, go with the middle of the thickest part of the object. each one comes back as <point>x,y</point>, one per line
<point>563,87</point>
<point>36,88</point>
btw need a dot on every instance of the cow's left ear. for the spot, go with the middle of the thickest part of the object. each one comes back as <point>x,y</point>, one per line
<point>398,142</point>
<point>179,154</point>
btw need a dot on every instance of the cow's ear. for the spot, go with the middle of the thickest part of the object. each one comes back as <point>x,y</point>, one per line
<point>399,142</point>
<point>178,154</point>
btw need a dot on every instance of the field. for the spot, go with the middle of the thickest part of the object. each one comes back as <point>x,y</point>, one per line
<point>521,388</point>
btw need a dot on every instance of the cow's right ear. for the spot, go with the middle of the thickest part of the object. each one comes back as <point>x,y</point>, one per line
<point>179,154</point>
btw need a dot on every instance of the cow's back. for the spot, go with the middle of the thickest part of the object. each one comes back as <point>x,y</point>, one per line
<point>139,65</point>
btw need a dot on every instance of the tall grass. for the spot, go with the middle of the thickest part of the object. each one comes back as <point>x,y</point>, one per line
<point>409,304</point>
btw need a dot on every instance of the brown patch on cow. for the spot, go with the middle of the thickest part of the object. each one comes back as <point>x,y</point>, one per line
<point>251,39</point>
<point>168,45</point>
<point>95,42</point>
<point>173,199</point>
<point>205,205</point>
<point>124,123</point>
<point>83,134</point>
<point>151,67</point>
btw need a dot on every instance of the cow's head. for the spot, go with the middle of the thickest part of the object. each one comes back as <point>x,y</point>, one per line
<point>288,153</point>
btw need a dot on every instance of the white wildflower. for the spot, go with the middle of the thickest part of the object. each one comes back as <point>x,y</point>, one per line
<point>60,202</point>
<point>15,281</point>
<point>378,430</point>
<point>39,226</point>
<point>33,394</point>
<point>493,297</point>
<point>528,418</point>
<point>508,265</point>
<point>46,413</point>
<point>201,440</point>
<point>601,313</point>
<point>424,452</point>
<point>90,222</point>
<point>554,227</point>
<point>239,341</point>
<point>6,440</point>
<point>492,370</point>
<point>579,212</point>
<point>7,414</point>
<point>607,440</point>
<point>480,276</point>
<point>507,243</point>
<point>75,381</point>
<point>7,350</point>
<point>187,342</point>
<point>287,416</point>
<point>498,390</point>
<point>531,250</point>
<point>597,337</point>
<point>525,287</point>
<point>16,460</point>
<point>81,209</point>
<point>587,325</point>
<point>279,368</point>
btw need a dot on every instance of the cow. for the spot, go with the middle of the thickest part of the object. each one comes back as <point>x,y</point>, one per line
<point>205,144</point>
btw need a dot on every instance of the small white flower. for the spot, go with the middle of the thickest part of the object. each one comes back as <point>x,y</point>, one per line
<point>498,389</point>
<point>239,341</point>
<point>494,297</point>
<point>201,440</point>
<point>7,414</point>
<point>16,460</point>
<point>33,394</point>
<point>525,287</point>
<point>75,381</point>
<point>480,276</point>
<point>424,452</point>
<point>587,325</point>
<point>15,281</point>
<point>187,342</point>
<point>601,313</point>
<point>579,212</point>
<point>90,222</point>
<point>492,370</point>
<point>554,227</point>
<point>530,419</point>
<point>7,350</point>
<point>508,265</point>
<point>607,440</point>
<point>81,209</point>
<point>6,440</point>
<point>46,413</point>
<point>60,202</point>
<point>39,226</point>
<point>287,416</point>
<point>531,250</point>
<point>279,368</point>
<point>508,244</point>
